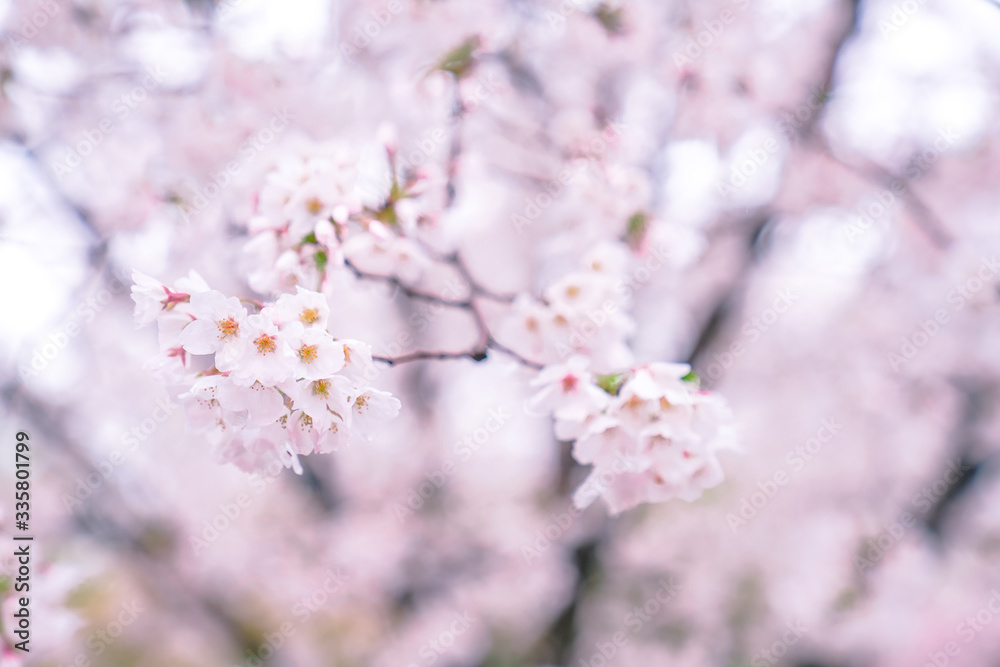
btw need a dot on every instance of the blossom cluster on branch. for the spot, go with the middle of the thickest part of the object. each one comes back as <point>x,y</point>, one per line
<point>650,433</point>
<point>274,384</point>
<point>264,385</point>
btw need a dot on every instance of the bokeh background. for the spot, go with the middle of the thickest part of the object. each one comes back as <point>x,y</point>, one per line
<point>825,177</point>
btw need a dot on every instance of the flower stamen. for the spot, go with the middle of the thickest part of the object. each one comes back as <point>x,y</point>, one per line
<point>228,327</point>
<point>265,344</point>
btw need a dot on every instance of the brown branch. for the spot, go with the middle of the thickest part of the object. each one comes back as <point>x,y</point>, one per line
<point>477,289</point>
<point>406,289</point>
<point>925,219</point>
<point>477,354</point>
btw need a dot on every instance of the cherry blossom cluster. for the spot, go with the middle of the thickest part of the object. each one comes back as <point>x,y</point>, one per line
<point>265,383</point>
<point>650,432</point>
<point>584,313</point>
<point>319,211</point>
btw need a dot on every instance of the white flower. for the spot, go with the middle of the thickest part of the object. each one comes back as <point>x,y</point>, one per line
<point>150,296</point>
<point>325,400</point>
<point>218,329</point>
<point>370,408</point>
<point>568,391</point>
<point>168,367</point>
<point>315,355</point>
<point>607,258</point>
<point>357,360</point>
<point>602,441</point>
<point>653,450</point>
<point>579,291</point>
<point>259,451</point>
<point>662,380</point>
<point>204,411</point>
<point>334,438</point>
<point>310,309</point>
<point>267,358</point>
<point>307,436</point>
<point>263,405</point>
<point>192,283</point>
<point>382,252</point>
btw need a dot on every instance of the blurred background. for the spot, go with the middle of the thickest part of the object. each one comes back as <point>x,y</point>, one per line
<point>823,176</point>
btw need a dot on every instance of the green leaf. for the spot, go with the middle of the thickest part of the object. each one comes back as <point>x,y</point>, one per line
<point>310,238</point>
<point>611,383</point>
<point>459,60</point>
<point>635,230</point>
<point>388,215</point>
<point>320,258</point>
<point>611,18</point>
<point>692,377</point>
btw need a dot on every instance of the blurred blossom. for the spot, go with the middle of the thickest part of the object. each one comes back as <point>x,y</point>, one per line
<point>566,332</point>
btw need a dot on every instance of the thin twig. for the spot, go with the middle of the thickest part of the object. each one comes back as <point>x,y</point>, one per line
<point>406,289</point>
<point>477,289</point>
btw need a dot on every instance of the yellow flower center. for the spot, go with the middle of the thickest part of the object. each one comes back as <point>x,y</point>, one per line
<point>314,205</point>
<point>307,353</point>
<point>321,388</point>
<point>228,327</point>
<point>265,344</point>
<point>308,316</point>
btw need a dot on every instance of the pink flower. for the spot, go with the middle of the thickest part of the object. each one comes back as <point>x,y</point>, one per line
<point>266,357</point>
<point>219,328</point>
